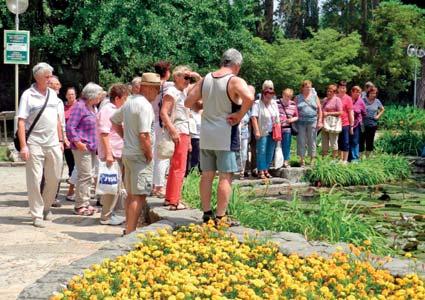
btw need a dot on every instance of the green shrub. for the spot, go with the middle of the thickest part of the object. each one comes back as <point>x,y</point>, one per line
<point>403,117</point>
<point>407,142</point>
<point>377,169</point>
<point>331,220</point>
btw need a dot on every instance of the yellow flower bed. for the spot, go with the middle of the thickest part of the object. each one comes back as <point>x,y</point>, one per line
<point>201,262</point>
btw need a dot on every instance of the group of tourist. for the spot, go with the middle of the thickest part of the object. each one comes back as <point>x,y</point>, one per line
<point>158,130</point>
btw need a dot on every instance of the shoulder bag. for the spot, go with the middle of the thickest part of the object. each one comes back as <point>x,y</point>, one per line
<point>276,128</point>
<point>165,145</point>
<point>332,124</point>
<point>28,132</point>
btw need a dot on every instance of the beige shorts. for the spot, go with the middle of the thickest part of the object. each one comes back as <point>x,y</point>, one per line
<point>137,175</point>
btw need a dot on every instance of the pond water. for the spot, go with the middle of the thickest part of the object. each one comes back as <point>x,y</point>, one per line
<point>396,210</point>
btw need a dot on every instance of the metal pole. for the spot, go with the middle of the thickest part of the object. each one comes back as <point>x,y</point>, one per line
<point>416,79</point>
<point>15,123</point>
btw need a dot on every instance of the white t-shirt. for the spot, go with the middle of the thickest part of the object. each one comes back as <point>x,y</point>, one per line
<point>137,117</point>
<point>181,113</point>
<point>196,116</point>
<point>45,132</point>
<point>61,113</point>
<point>265,114</point>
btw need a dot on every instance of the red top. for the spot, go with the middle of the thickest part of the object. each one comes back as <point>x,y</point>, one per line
<point>347,106</point>
<point>68,109</point>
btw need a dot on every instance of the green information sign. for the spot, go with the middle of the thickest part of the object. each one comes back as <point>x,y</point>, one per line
<point>16,47</point>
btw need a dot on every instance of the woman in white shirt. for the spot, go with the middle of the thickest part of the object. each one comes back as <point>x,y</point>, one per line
<point>264,113</point>
<point>175,118</point>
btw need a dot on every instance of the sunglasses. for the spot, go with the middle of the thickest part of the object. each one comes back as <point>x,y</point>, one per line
<point>187,77</point>
<point>269,93</point>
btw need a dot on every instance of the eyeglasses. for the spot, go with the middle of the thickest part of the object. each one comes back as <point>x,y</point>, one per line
<point>269,93</point>
<point>187,78</point>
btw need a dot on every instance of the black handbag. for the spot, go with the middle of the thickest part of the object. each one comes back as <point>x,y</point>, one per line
<point>28,132</point>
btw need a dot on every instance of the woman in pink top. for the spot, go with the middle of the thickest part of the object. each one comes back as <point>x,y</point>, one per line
<point>332,106</point>
<point>71,99</point>
<point>359,109</point>
<point>347,118</point>
<point>110,148</point>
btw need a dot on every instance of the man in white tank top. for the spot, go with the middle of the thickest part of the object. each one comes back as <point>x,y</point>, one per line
<point>225,99</point>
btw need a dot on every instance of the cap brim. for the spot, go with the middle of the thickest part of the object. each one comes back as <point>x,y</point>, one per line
<point>151,83</point>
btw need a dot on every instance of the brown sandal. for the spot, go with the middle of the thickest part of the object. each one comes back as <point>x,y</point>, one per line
<point>179,206</point>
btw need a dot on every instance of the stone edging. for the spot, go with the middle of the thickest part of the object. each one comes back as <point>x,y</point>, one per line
<point>8,164</point>
<point>162,218</point>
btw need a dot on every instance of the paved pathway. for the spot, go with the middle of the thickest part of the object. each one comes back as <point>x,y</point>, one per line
<point>26,252</point>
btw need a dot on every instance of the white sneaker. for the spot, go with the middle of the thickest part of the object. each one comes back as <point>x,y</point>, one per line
<point>114,220</point>
<point>39,223</point>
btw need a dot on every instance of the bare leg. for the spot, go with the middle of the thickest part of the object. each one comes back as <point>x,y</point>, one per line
<point>344,155</point>
<point>335,154</point>
<point>224,192</point>
<point>135,204</point>
<point>205,187</point>
<point>70,190</point>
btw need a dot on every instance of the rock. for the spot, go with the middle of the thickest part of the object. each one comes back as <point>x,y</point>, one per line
<point>289,236</point>
<point>294,174</point>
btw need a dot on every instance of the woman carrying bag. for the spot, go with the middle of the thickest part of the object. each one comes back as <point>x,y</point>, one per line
<point>266,127</point>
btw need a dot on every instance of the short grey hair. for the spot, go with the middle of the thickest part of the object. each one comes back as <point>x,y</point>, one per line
<point>136,81</point>
<point>41,67</point>
<point>231,57</point>
<point>91,91</point>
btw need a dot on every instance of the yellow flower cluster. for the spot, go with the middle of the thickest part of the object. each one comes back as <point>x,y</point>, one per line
<point>202,262</point>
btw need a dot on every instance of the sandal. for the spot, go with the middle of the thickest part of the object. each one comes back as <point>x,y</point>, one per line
<point>267,174</point>
<point>158,194</point>
<point>179,206</point>
<point>261,175</point>
<point>166,203</point>
<point>83,211</point>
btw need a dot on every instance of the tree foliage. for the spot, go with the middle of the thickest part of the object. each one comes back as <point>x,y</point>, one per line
<point>325,58</point>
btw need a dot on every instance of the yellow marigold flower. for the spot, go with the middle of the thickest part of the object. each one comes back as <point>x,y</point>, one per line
<point>408,254</point>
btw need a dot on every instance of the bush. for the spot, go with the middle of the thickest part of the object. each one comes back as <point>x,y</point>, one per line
<point>377,169</point>
<point>403,117</point>
<point>405,143</point>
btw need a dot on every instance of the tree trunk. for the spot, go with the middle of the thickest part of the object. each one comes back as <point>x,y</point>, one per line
<point>268,16</point>
<point>421,90</point>
<point>90,66</point>
<point>363,30</point>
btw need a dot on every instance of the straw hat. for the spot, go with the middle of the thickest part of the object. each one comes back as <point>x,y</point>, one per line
<point>151,79</point>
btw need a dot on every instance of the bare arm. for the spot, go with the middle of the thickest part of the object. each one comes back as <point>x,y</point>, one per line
<point>146,145</point>
<point>195,95</point>
<point>255,127</point>
<point>166,109</point>
<point>319,113</point>
<point>381,111</point>
<point>22,139</point>
<point>60,131</point>
<point>104,139</point>
<point>239,90</point>
<point>118,129</point>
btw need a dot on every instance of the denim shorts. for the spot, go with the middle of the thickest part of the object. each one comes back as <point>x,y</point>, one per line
<point>344,139</point>
<point>218,160</point>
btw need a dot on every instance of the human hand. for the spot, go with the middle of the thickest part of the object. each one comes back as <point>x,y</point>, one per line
<point>67,143</point>
<point>25,153</point>
<point>175,137</point>
<point>81,146</point>
<point>235,118</point>
<point>376,117</point>
<point>148,156</point>
<point>109,160</point>
<point>257,135</point>
<point>190,147</point>
<point>319,125</point>
<point>351,130</point>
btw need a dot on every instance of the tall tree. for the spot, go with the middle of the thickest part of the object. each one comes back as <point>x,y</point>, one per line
<point>298,17</point>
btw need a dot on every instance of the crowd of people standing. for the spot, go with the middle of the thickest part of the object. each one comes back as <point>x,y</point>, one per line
<point>156,131</point>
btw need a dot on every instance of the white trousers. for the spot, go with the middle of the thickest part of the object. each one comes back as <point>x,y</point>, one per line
<point>160,166</point>
<point>49,158</point>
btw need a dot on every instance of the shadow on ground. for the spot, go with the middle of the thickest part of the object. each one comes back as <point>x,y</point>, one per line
<point>92,236</point>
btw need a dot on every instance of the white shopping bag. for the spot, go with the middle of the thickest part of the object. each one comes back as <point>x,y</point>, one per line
<point>108,179</point>
<point>278,156</point>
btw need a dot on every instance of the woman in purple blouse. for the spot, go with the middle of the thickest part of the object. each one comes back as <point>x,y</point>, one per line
<point>81,131</point>
<point>359,109</point>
